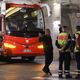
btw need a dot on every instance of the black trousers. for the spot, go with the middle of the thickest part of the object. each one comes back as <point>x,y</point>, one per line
<point>64,57</point>
<point>77,56</point>
<point>48,60</point>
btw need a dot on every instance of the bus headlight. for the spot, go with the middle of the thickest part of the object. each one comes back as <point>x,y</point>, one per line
<point>7,45</point>
<point>40,46</point>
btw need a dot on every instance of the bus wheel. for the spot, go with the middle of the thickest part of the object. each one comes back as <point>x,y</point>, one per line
<point>4,58</point>
<point>1,56</point>
<point>7,58</point>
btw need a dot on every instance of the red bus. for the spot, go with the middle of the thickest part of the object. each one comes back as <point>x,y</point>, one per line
<point>20,26</point>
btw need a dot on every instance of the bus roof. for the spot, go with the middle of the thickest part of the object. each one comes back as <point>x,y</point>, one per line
<point>22,1</point>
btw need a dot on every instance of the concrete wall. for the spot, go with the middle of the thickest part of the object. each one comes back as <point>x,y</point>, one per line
<point>74,21</point>
<point>70,1</point>
<point>52,22</point>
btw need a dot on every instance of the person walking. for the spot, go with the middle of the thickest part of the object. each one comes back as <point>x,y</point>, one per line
<point>63,43</point>
<point>48,49</point>
<point>76,49</point>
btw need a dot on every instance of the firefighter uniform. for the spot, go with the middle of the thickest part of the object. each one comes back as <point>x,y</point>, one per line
<point>63,43</point>
<point>77,52</point>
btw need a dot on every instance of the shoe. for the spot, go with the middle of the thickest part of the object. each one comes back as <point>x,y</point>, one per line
<point>77,77</point>
<point>60,76</point>
<point>68,76</point>
<point>46,71</point>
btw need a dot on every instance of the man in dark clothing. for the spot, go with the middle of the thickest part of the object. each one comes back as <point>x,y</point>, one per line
<point>63,43</point>
<point>76,49</point>
<point>48,48</point>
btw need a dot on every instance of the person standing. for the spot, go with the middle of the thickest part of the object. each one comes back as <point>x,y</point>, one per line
<point>76,49</point>
<point>63,43</point>
<point>48,49</point>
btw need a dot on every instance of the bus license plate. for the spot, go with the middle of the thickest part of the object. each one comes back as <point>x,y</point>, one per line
<point>28,50</point>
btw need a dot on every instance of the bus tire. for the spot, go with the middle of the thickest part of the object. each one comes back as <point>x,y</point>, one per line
<point>7,58</point>
<point>1,56</point>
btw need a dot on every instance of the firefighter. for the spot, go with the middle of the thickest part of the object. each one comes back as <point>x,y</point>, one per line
<point>63,43</point>
<point>76,48</point>
<point>48,48</point>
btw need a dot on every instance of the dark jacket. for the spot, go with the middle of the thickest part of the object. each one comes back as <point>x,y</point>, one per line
<point>47,42</point>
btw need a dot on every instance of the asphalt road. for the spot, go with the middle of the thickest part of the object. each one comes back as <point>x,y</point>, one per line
<point>18,69</point>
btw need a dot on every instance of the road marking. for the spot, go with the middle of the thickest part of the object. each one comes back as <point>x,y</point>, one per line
<point>42,78</point>
<point>39,78</point>
<point>54,76</point>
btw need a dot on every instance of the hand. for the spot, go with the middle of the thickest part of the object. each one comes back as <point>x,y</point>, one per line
<point>61,50</point>
<point>40,35</point>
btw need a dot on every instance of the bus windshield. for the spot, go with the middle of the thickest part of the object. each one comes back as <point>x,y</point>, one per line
<point>20,21</point>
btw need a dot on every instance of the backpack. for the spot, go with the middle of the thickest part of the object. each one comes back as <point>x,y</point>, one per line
<point>78,40</point>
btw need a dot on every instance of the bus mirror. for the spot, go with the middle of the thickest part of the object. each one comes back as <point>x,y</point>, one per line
<point>48,9</point>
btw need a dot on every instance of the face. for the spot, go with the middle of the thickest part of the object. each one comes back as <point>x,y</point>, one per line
<point>47,32</point>
<point>64,29</point>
